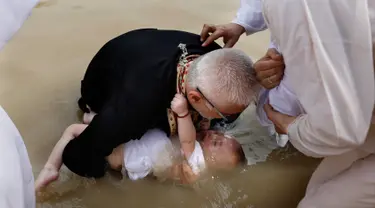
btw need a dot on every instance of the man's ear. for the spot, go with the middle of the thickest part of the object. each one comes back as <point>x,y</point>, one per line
<point>194,96</point>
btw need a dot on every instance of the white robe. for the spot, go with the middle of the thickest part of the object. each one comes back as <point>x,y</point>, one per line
<point>327,48</point>
<point>16,176</point>
<point>330,61</point>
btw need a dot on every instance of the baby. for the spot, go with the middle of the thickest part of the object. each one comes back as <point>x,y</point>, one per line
<point>154,153</point>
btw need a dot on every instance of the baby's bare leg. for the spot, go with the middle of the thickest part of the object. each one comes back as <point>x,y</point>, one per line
<point>87,117</point>
<point>116,158</point>
<point>50,172</point>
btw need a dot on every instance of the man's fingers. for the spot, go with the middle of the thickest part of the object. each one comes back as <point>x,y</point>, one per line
<point>269,111</point>
<point>217,34</point>
<point>281,121</point>
<point>207,29</point>
<point>277,77</point>
<point>264,74</point>
<point>273,78</point>
<point>272,114</point>
<point>269,85</point>
<point>274,54</point>
<point>261,75</point>
<point>188,172</point>
<point>265,64</point>
<point>278,130</point>
<point>230,43</point>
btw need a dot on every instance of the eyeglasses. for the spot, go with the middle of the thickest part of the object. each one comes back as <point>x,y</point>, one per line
<point>226,118</point>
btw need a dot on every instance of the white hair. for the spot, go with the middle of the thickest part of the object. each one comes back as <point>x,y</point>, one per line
<point>226,74</point>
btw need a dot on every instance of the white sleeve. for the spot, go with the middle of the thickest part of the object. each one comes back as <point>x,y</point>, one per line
<point>273,44</point>
<point>327,48</point>
<point>250,16</point>
<point>12,15</point>
<point>196,159</point>
<point>16,177</point>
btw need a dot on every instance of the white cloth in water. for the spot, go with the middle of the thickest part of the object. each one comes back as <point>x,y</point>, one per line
<point>154,149</point>
<point>16,176</point>
<point>282,99</point>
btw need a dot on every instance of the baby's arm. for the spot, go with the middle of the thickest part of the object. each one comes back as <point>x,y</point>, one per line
<point>50,172</point>
<point>186,129</point>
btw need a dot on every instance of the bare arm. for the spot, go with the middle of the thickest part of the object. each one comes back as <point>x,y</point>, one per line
<point>187,135</point>
<point>186,129</point>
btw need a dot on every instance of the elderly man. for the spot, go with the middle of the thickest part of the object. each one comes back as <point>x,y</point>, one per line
<point>328,51</point>
<point>16,176</point>
<point>132,80</point>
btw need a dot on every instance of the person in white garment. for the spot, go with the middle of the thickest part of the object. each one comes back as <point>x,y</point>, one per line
<point>270,69</point>
<point>328,51</point>
<point>16,176</point>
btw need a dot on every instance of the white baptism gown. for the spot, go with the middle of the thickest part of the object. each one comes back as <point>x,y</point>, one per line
<point>154,151</point>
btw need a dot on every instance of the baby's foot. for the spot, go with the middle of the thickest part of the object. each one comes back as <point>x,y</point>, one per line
<point>46,176</point>
<point>87,117</point>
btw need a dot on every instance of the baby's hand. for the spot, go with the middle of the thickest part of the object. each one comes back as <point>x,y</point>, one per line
<point>179,105</point>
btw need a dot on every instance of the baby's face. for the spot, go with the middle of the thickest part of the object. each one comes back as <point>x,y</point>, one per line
<point>220,150</point>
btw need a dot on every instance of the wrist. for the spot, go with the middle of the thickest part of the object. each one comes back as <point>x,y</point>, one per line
<point>183,115</point>
<point>240,27</point>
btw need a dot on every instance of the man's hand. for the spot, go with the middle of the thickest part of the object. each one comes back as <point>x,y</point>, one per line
<point>179,105</point>
<point>281,121</point>
<point>270,69</point>
<point>230,32</point>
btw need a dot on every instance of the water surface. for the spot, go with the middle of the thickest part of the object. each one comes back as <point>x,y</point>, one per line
<point>41,69</point>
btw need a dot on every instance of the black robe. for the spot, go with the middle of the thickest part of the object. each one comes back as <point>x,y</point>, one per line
<point>130,83</point>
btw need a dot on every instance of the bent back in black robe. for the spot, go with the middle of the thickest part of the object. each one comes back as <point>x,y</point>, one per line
<point>130,83</point>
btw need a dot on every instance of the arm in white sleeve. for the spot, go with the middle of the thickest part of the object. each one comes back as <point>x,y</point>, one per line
<point>16,176</point>
<point>250,16</point>
<point>328,51</point>
<point>12,15</point>
<point>273,45</point>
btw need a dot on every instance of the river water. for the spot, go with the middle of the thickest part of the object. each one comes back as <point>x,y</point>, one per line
<point>41,69</point>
